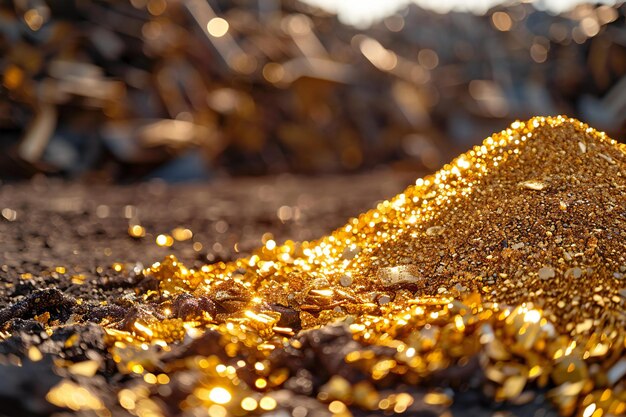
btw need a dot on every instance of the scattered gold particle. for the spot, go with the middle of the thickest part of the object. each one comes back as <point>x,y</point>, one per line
<point>267,403</point>
<point>67,394</point>
<point>249,404</point>
<point>86,368</point>
<point>182,234</point>
<point>219,395</point>
<point>164,240</point>
<point>9,214</point>
<point>437,398</point>
<point>34,354</point>
<point>136,231</point>
<point>78,279</point>
<point>43,318</point>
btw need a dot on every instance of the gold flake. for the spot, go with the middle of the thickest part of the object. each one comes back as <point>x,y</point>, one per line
<point>67,394</point>
<point>86,368</point>
<point>437,398</point>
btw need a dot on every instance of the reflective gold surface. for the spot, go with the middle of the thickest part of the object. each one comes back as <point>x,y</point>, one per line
<point>512,255</point>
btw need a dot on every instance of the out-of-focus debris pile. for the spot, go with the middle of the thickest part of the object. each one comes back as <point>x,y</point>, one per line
<point>184,89</point>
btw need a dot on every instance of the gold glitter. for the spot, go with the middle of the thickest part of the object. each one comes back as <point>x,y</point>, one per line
<point>508,253</point>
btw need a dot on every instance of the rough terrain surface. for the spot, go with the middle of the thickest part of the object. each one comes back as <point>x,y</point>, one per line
<point>67,249</point>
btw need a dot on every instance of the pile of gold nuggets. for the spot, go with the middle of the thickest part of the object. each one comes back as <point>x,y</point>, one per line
<point>512,258</point>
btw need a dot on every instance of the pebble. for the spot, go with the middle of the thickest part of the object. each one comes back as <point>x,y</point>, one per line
<point>546,272</point>
<point>533,185</point>
<point>434,230</point>
<point>345,280</point>
<point>398,276</point>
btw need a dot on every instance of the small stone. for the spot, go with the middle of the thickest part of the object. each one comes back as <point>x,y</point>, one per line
<point>383,299</point>
<point>533,185</point>
<point>345,280</point>
<point>617,372</point>
<point>517,246</point>
<point>350,252</point>
<point>434,230</point>
<point>337,388</point>
<point>584,326</point>
<point>618,275</point>
<point>582,146</point>
<point>574,272</point>
<point>399,276</point>
<point>546,272</point>
<point>607,158</point>
<point>514,386</point>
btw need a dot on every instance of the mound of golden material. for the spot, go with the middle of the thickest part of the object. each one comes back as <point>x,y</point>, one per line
<point>514,253</point>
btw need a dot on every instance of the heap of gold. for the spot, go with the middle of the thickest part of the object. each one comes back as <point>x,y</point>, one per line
<point>514,255</point>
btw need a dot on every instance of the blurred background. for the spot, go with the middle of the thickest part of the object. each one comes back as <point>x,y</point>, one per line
<point>117,91</point>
